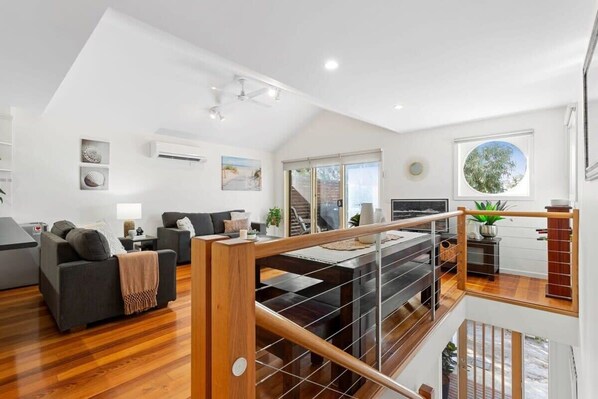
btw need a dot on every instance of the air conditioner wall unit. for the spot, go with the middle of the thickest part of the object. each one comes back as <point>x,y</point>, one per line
<point>179,152</point>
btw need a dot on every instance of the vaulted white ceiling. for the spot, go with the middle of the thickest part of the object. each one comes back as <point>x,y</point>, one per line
<point>132,77</point>
<point>444,61</point>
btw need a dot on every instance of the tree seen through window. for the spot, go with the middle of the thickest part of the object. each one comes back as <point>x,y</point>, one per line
<point>495,167</point>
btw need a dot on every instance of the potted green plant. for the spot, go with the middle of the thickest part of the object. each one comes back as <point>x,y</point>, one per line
<point>252,234</point>
<point>274,217</point>
<point>449,361</point>
<point>273,221</point>
<point>487,228</point>
<point>354,221</point>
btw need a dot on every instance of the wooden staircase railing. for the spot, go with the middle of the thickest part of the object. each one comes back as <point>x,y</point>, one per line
<point>224,311</point>
<point>285,328</point>
<point>275,247</point>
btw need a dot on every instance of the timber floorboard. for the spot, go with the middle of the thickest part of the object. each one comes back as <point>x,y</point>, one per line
<point>519,290</point>
<point>148,355</point>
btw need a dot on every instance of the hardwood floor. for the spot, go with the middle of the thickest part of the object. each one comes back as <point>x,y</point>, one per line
<point>518,290</point>
<point>149,355</point>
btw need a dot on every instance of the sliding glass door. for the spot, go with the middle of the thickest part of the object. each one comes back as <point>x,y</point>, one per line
<point>362,184</point>
<point>299,194</point>
<point>322,195</point>
<point>329,198</point>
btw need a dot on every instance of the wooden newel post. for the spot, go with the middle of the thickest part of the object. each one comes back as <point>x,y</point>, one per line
<point>462,249</point>
<point>233,320</point>
<point>426,391</point>
<point>223,318</point>
<point>575,260</point>
<point>201,277</point>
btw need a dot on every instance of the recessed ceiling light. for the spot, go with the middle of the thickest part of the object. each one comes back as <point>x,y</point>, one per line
<point>272,91</point>
<point>398,107</point>
<point>331,65</point>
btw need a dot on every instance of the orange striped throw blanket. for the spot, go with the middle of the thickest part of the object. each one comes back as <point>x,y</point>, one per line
<point>139,280</point>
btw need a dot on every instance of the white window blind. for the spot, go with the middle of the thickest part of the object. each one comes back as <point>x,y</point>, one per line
<point>336,159</point>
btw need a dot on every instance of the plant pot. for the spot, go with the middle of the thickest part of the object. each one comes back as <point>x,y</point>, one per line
<point>489,230</point>
<point>273,231</point>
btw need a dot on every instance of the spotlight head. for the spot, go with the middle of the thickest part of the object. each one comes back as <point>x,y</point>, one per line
<point>272,92</point>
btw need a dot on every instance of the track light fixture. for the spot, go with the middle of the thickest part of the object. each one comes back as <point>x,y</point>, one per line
<point>274,92</point>
<point>215,114</point>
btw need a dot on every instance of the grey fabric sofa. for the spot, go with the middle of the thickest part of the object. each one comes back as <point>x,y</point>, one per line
<point>79,292</point>
<point>170,237</point>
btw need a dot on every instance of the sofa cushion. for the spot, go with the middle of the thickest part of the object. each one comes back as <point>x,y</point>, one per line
<point>185,224</point>
<point>202,223</point>
<point>62,228</point>
<point>89,244</point>
<point>116,247</point>
<point>235,226</point>
<point>241,215</point>
<point>218,219</point>
<point>169,218</point>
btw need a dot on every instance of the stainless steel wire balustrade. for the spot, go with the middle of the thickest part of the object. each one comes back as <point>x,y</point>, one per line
<point>380,327</point>
<point>371,304</point>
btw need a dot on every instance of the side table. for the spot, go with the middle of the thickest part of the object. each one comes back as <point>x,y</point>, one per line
<point>483,256</point>
<point>146,243</point>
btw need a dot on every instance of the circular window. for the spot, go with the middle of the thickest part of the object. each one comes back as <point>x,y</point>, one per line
<point>494,167</point>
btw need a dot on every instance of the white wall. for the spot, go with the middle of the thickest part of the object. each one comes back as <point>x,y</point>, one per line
<point>588,272</point>
<point>46,176</point>
<point>332,133</point>
<point>426,366</point>
<point>562,332</point>
<point>559,371</point>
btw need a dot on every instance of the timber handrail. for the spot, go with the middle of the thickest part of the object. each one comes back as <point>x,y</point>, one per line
<point>283,327</point>
<point>275,247</point>
<point>548,215</point>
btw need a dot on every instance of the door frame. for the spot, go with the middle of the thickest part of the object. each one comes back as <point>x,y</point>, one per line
<point>343,217</point>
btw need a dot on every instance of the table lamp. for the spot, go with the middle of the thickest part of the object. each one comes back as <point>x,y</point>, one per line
<point>129,213</point>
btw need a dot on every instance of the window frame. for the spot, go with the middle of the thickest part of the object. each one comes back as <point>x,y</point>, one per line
<point>459,161</point>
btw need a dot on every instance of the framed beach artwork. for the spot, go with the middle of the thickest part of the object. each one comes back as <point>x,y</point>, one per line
<point>241,174</point>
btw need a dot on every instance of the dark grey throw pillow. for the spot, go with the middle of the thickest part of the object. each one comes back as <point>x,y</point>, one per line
<point>89,244</point>
<point>62,228</point>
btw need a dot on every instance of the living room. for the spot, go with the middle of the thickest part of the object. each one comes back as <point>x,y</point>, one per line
<point>165,124</point>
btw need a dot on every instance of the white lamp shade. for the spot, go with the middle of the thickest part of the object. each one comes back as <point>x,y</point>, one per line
<point>128,211</point>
